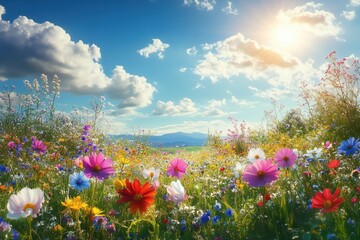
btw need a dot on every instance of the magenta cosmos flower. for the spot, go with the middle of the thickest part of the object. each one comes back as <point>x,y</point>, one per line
<point>177,168</point>
<point>260,173</point>
<point>285,157</point>
<point>38,146</point>
<point>97,166</point>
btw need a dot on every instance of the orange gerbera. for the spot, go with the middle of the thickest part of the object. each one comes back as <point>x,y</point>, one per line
<point>139,196</point>
<point>326,201</point>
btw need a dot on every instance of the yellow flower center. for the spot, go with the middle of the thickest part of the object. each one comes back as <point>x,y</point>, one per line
<point>28,205</point>
<point>260,173</point>
<point>257,156</point>
<point>327,204</point>
<point>137,197</point>
<point>96,168</point>
<point>151,174</point>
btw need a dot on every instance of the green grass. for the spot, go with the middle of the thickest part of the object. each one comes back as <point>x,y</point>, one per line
<point>173,150</point>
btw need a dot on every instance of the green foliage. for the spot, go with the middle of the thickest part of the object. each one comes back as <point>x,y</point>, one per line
<point>334,103</point>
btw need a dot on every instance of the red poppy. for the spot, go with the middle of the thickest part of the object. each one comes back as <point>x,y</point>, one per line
<point>139,197</point>
<point>334,163</point>
<point>326,201</point>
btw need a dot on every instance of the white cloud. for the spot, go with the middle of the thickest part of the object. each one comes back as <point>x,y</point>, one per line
<point>199,85</point>
<point>355,3</point>
<point>34,48</point>
<point>237,55</point>
<point>191,51</point>
<point>349,15</point>
<point>135,90</point>
<point>183,69</point>
<point>207,5</point>
<point>229,10</point>
<point>243,102</point>
<point>185,107</point>
<point>213,108</point>
<point>208,46</point>
<point>157,46</point>
<point>2,11</point>
<point>275,93</point>
<point>311,18</point>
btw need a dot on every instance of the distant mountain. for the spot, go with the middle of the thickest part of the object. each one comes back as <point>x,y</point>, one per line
<point>178,139</point>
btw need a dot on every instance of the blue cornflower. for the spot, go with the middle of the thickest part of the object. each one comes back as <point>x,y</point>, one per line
<point>79,181</point>
<point>205,217</point>
<point>349,147</point>
<point>4,169</point>
<point>215,219</point>
<point>229,212</point>
<point>15,234</point>
<point>331,236</point>
<point>217,206</point>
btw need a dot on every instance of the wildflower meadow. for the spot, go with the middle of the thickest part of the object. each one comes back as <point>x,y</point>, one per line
<point>63,177</point>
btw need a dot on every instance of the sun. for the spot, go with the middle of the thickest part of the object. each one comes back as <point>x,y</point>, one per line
<point>285,36</point>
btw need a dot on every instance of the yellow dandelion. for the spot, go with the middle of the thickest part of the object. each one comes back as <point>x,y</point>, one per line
<point>119,184</point>
<point>74,204</point>
<point>240,184</point>
<point>95,211</point>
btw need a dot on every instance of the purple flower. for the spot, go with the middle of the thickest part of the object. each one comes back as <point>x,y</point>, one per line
<point>38,146</point>
<point>260,173</point>
<point>177,168</point>
<point>285,157</point>
<point>97,166</point>
<point>87,128</point>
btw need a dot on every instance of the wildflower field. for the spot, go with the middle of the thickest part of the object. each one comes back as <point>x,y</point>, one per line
<point>61,177</point>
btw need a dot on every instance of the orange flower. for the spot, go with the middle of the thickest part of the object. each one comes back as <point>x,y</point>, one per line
<point>326,201</point>
<point>139,197</point>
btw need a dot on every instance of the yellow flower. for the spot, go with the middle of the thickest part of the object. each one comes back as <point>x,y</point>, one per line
<point>74,204</point>
<point>239,184</point>
<point>119,157</point>
<point>95,211</point>
<point>57,228</point>
<point>119,184</point>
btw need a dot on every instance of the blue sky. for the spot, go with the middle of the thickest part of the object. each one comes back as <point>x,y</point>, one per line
<point>176,65</point>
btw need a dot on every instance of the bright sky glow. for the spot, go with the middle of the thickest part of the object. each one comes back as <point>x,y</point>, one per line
<point>178,65</point>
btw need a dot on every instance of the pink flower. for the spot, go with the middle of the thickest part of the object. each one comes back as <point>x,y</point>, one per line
<point>260,173</point>
<point>177,168</point>
<point>11,145</point>
<point>285,157</point>
<point>27,202</point>
<point>97,166</point>
<point>38,146</point>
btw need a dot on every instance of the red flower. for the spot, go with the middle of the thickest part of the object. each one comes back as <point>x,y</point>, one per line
<point>326,201</point>
<point>267,197</point>
<point>139,197</point>
<point>334,163</point>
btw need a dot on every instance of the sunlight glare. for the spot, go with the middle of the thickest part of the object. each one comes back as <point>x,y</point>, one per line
<point>285,36</point>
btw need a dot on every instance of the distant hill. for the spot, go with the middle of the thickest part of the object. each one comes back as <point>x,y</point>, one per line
<point>178,139</point>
